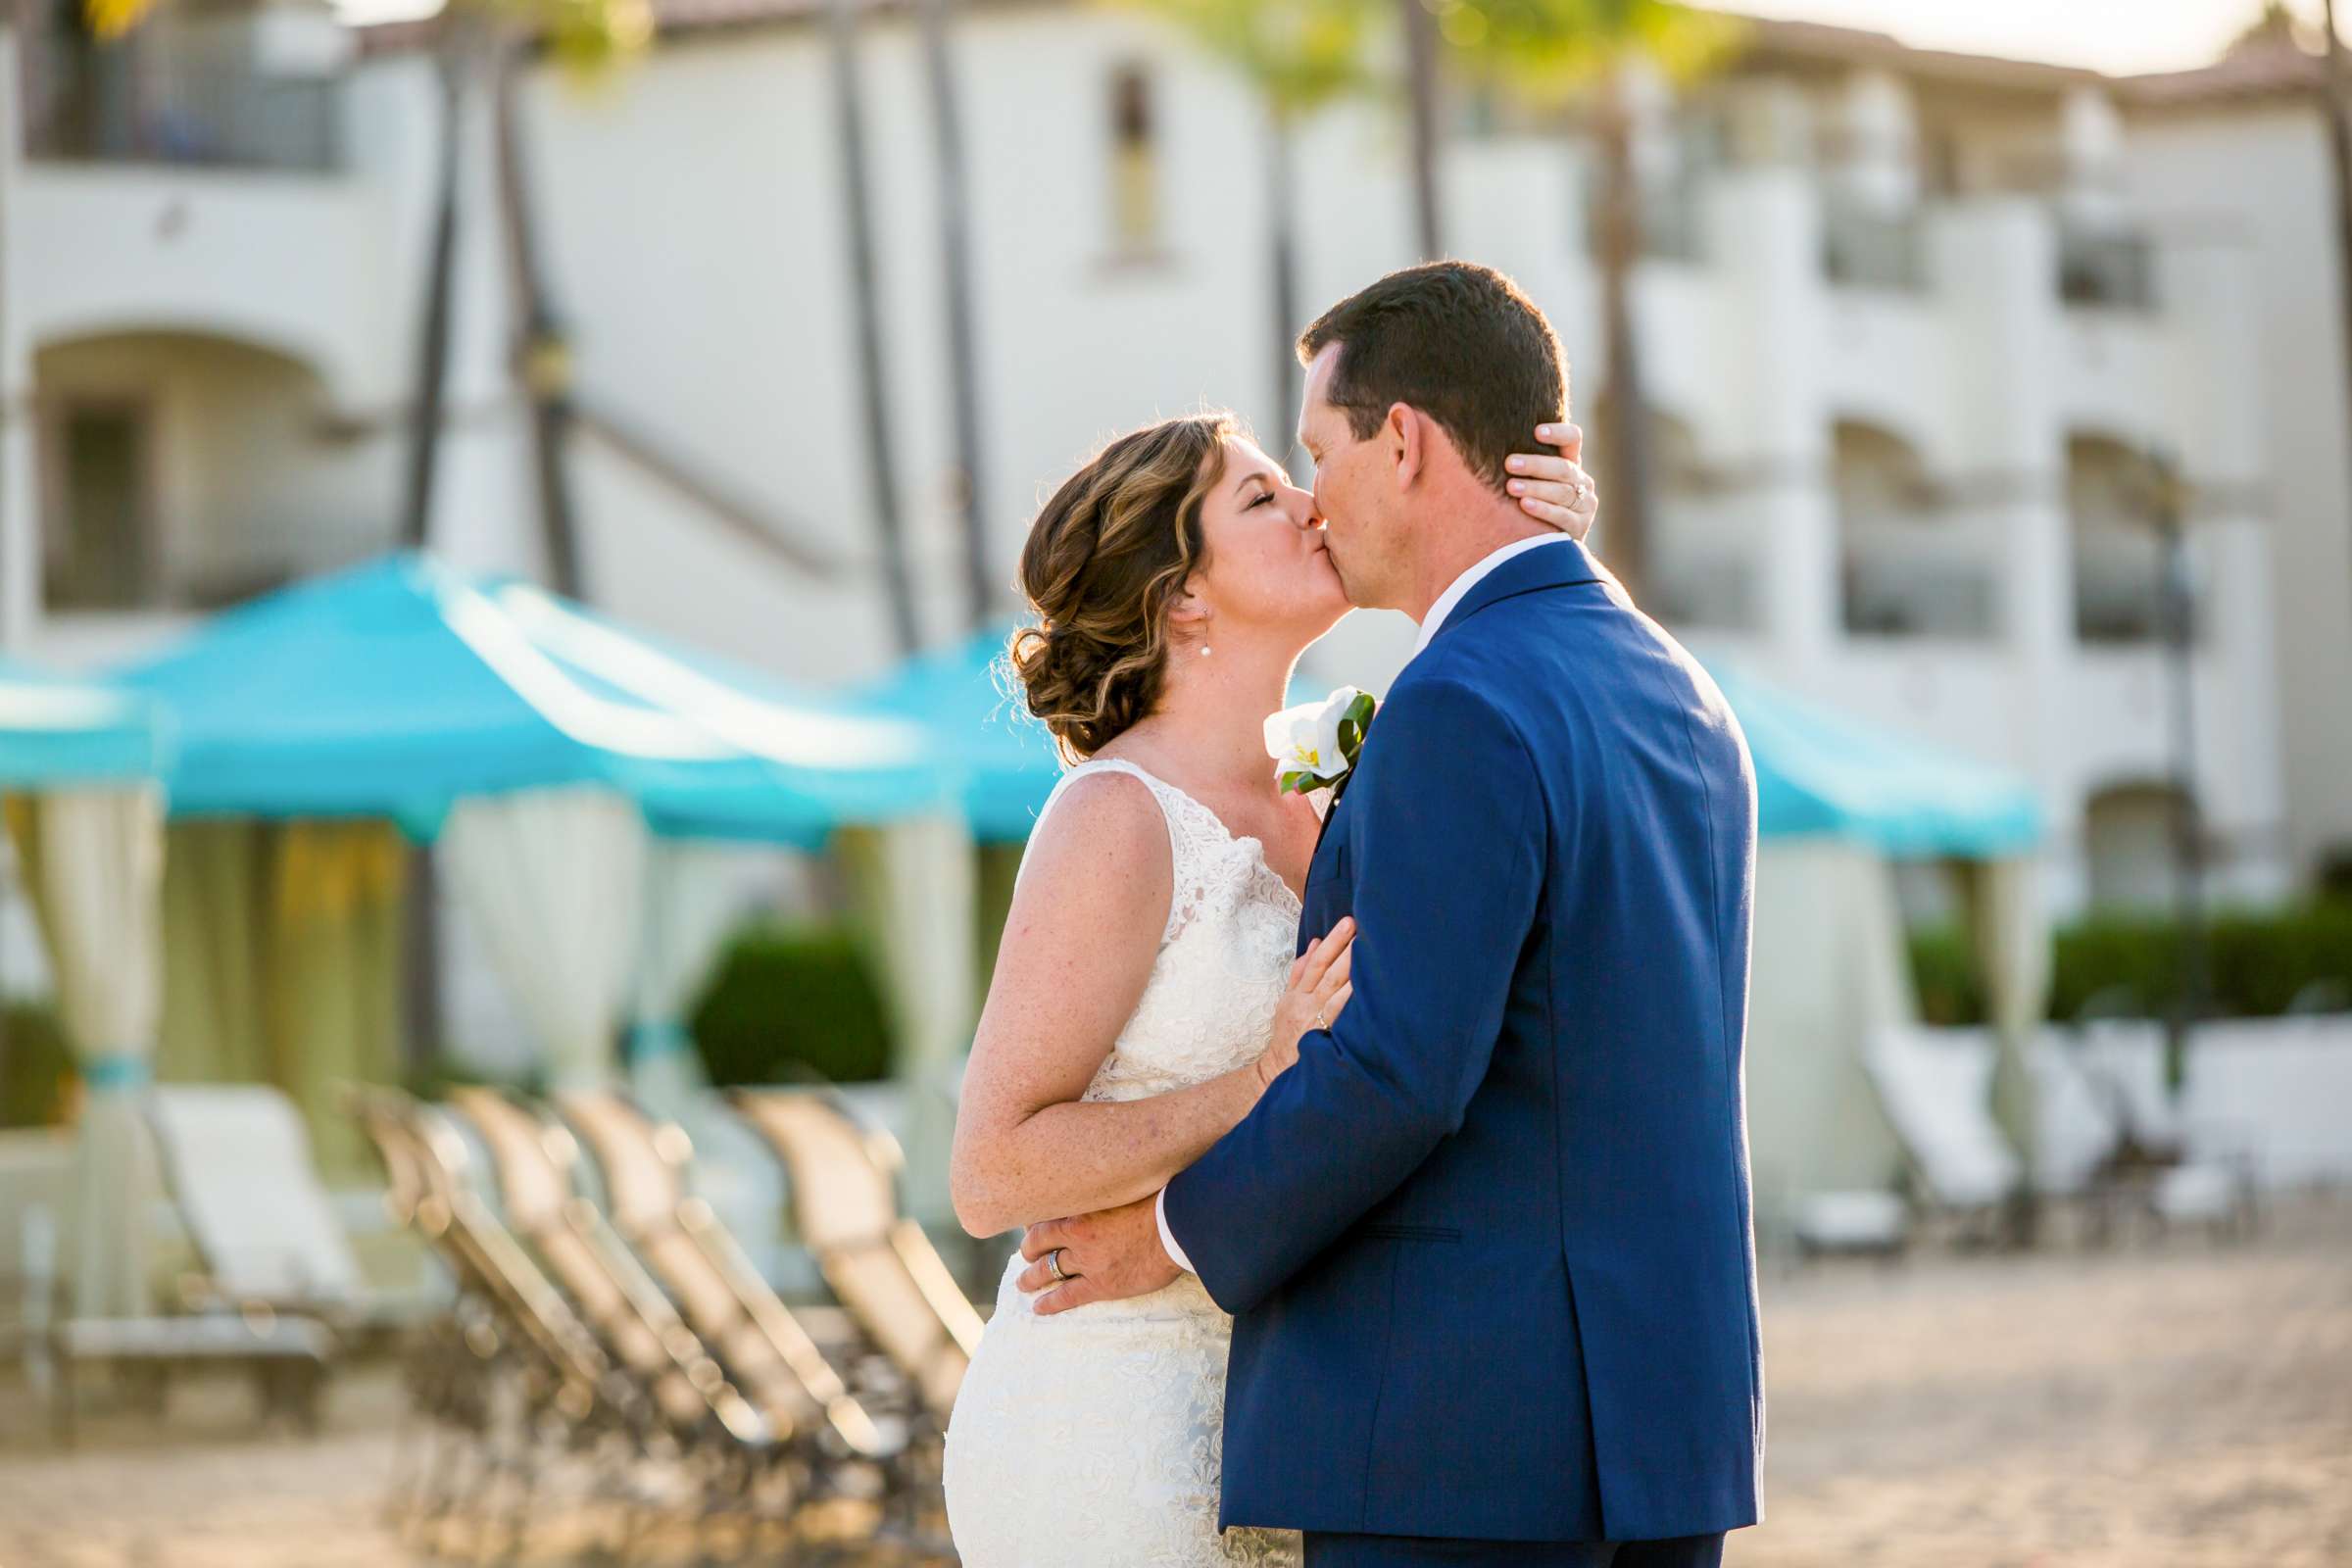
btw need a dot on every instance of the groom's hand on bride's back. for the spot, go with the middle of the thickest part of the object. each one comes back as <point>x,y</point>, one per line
<point>1105,1257</point>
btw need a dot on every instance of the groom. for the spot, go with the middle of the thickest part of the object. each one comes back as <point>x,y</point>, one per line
<point>1487,1243</point>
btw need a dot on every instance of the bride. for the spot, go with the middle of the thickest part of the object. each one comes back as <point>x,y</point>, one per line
<point>1146,991</point>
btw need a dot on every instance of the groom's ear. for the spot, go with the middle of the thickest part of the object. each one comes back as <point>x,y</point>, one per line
<point>1408,439</point>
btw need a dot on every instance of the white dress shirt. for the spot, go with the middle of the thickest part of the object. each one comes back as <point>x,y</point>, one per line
<point>1455,592</point>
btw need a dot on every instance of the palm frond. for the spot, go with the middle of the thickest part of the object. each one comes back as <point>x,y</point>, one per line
<point>1554,50</point>
<point>1300,53</point>
<point>112,19</point>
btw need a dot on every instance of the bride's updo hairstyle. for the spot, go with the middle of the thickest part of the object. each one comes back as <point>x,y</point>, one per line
<point>1104,560</point>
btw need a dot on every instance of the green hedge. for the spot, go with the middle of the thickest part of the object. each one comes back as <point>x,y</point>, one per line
<point>2256,962</point>
<point>786,1004</point>
<point>36,1065</point>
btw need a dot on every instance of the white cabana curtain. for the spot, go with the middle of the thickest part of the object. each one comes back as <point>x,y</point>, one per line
<point>2009,924</point>
<point>93,867</point>
<point>553,880</point>
<point>689,908</point>
<point>921,880</point>
<point>1828,973</point>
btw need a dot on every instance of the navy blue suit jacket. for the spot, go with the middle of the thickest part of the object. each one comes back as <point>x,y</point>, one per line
<point>1487,1243</point>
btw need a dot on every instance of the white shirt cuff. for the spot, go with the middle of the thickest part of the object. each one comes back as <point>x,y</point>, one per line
<point>1167,1237</point>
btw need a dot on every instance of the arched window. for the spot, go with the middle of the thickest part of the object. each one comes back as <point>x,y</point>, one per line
<point>186,471</point>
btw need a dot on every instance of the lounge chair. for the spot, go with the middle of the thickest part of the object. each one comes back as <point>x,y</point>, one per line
<point>761,1342</point>
<point>880,1265</point>
<point>1854,1221</point>
<point>535,1159</point>
<point>708,1273</point>
<point>237,1161</point>
<point>286,1356</point>
<point>510,1326</point>
<point>1937,1096</point>
<point>2199,1171</point>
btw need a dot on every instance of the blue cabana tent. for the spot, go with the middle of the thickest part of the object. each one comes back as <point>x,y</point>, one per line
<point>1820,773</point>
<point>963,698</point>
<point>400,686</point>
<point>56,731</point>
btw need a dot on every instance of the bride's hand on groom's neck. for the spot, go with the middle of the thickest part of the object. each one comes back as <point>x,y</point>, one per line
<point>1553,487</point>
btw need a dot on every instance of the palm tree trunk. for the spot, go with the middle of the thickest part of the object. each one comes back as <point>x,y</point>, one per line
<point>432,332</point>
<point>420,937</point>
<point>1626,456</point>
<point>956,254</point>
<point>1283,277</point>
<point>848,106</point>
<point>543,358</point>
<point>2339,143</point>
<point>1421,86</point>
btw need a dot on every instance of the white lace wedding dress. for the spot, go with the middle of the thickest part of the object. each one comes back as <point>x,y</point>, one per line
<point>1094,1438</point>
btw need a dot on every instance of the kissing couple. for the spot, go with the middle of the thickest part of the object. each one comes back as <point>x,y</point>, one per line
<point>1375,1111</point>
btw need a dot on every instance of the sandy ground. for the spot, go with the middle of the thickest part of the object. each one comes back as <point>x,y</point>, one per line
<point>2173,1403</point>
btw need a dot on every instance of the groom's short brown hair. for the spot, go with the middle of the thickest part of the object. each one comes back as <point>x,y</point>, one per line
<point>1455,340</point>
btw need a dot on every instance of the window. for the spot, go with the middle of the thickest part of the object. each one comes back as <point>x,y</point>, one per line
<point>1133,162</point>
<point>1905,573</point>
<point>2100,267</point>
<point>2131,847</point>
<point>94,547</point>
<point>2119,593</point>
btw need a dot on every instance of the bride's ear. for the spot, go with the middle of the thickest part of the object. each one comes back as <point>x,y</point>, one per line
<point>1188,612</point>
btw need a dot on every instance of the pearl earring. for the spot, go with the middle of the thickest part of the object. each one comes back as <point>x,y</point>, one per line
<point>1205,649</point>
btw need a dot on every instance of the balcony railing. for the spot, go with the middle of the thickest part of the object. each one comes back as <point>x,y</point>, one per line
<point>1894,593</point>
<point>1865,249</point>
<point>2120,588</point>
<point>2106,268</point>
<point>1711,593</point>
<point>1668,215</point>
<point>146,111</point>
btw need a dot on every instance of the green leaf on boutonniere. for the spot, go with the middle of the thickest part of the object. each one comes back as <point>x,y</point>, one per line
<point>1355,724</point>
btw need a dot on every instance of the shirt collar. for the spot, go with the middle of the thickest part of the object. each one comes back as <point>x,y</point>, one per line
<point>1462,586</point>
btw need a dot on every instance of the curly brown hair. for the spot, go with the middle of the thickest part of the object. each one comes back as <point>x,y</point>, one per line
<point>1104,560</point>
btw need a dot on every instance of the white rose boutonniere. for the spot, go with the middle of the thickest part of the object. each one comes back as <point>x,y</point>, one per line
<point>1315,745</point>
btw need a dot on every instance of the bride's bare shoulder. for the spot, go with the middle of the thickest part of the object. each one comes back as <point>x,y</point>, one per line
<point>1105,835</point>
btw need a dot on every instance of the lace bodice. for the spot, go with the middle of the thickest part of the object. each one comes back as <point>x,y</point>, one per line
<point>1097,1436</point>
<point>1224,954</point>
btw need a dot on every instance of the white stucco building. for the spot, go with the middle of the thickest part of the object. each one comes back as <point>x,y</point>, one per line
<point>2241,144</point>
<point>1914,324</point>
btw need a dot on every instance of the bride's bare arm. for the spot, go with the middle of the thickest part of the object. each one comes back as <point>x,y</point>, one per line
<point>1078,950</point>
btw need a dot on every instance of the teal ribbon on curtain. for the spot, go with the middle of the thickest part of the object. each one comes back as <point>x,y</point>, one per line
<point>116,1069</point>
<point>649,1038</point>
